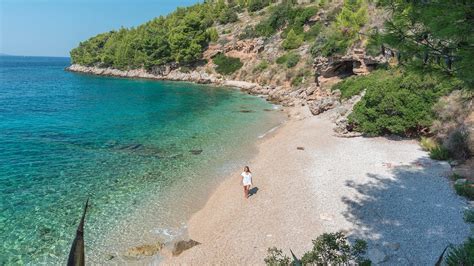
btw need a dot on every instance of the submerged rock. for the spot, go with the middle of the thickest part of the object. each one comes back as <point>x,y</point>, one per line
<point>183,245</point>
<point>144,250</point>
<point>196,152</point>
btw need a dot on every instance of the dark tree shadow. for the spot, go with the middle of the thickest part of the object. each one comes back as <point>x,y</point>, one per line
<point>253,191</point>
<point>410,216</point>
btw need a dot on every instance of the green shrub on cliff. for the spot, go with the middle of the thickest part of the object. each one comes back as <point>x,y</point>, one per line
<point>292,41</point>
<point>396,101</point>
<point>462,254</point>
<point>226,65</point>
<point>290,59</point>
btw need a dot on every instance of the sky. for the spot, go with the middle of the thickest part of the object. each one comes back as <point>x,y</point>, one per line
<point>54,27</point>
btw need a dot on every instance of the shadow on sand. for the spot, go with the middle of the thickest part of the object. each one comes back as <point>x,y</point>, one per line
<point>253,191</point>
<point>409,216</point>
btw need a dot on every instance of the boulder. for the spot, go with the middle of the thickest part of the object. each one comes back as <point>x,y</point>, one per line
<point>319,106</point>
<point>377,256</point>
<point>183,245</point>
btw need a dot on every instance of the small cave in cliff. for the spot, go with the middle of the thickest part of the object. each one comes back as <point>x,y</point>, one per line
<point>342,69</point>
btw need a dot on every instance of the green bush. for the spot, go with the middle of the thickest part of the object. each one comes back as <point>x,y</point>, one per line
<point>462,254</point>
<point>226,65</point>
<point>440,153</point>
<point>261,66</point>
<point>297,81</point>
<point>255,5</point>
<point>289,59</point>
<point>328,249</point>
<point>396,102</point>
<point>465,190</point>
<point>292,41</point>
<point>228,15</point>
<point>213,34</point>
<point>313,32</point>
<point>469,216</point>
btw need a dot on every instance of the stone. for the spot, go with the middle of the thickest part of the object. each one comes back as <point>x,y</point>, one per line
<point>393,246</point>
<point>183,245</point>
<point>376,255</point>
<point>319,106</point>
<point>144,250</point>
<point>196,152</point>
<point>300,148</point>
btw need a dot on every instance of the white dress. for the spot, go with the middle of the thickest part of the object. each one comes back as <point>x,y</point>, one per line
<point>247,179</point>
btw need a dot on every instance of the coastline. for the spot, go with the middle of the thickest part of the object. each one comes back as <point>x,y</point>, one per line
<point>304,192</point>
<point>278,95</point>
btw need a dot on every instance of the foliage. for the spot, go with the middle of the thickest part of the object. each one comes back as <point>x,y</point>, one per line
<point>290,59</point>
<point>228,15</point>
<point>465,190</point>
<point>397,101</point>
<point>292,40</point>
<point>226,65</point>
<point>462,254</point>
<point>434,34</point>
<point>213,34</point>
<point>343,32</point>
<point>469,216</point>
<point>440,153</point>
<point>334,249</point>
<point>255,5</point>
<point>328,249</point>
<point>261,66</point>
<point>276,257</point>
<point>313,32</point>
<point>179,37</point>
<point>285,15</point>
<point>428,143</point>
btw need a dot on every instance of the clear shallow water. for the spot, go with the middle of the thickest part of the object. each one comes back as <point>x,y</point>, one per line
<point>132,146</point>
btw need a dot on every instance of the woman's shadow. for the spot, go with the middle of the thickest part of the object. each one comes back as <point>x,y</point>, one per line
<point>253,191</point>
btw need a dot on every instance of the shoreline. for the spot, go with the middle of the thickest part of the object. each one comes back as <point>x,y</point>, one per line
<point>277,95</point>
<point>303,193</point>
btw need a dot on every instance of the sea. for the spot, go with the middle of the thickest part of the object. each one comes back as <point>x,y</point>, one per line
<point>145,153</point>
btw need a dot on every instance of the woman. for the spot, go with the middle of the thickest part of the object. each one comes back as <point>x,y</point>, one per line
<point>246,180</point>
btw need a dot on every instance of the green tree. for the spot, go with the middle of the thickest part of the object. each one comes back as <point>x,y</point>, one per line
<point>436,34</point>
<point>292,41</point>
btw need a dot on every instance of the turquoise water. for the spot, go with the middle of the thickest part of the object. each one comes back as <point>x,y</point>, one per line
<point>144,152</point>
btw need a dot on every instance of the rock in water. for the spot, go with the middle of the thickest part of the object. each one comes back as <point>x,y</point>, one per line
<point>183,245</point>
<point>196,152</point>
<point>144,250</point>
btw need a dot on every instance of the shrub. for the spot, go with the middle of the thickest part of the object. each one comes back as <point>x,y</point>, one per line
<point>465,190</point>
<point>290,59</point>
<point>313,32</point>
<point>213,34</point>
<point>297,81</point>
<point>328,249</point>
<point>228,15</point>
<point>255,5</point>
<point>428,144</point>
<point>292,41</point>
<point>462,254</point>
<point>397,102</point>
<point>226,65</point>
<point>469,216</point>
<point>261,66</point>
<point>276,257</point>
<point>440,153</point>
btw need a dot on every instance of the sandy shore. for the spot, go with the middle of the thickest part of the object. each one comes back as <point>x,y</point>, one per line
<point>387,192</point>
